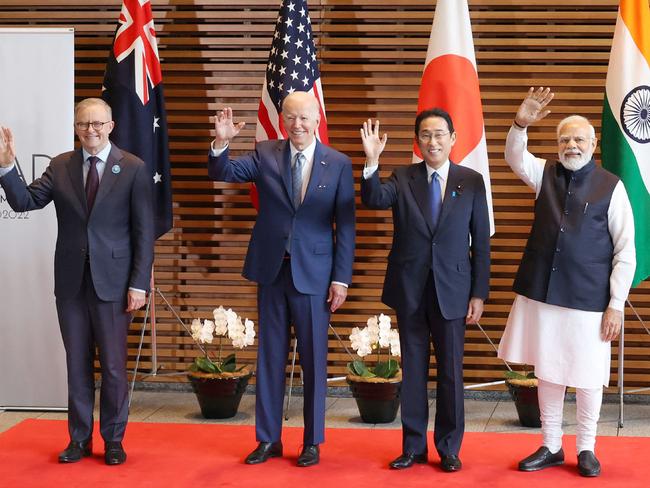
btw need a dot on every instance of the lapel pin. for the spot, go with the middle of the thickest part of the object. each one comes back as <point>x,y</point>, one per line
<point>116,169</point>
<point>324,163</point>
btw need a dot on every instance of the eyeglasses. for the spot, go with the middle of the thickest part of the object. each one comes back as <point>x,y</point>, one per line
<point>428,136</point>
<point>579,140</point>
<point>86,125</point>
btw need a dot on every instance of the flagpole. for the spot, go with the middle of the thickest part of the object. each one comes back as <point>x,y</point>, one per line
<point>152,321</point>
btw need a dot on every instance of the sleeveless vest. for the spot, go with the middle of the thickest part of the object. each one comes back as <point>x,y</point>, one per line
<point>568,257</point>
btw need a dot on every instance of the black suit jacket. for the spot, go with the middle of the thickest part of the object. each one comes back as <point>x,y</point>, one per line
<point>117,236</point>
<point>460,269</point>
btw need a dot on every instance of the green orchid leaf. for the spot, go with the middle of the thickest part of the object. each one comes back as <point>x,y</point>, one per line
<point>386,369</point>
<point>393,368</point>
<point>229,364</point>
<point>359,368</point>
<point>205,365</point>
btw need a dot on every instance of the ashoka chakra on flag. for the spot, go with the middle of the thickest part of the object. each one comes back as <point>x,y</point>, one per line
<point>635,114</point>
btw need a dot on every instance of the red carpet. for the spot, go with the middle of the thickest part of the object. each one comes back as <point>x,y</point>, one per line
<point>210,455</point>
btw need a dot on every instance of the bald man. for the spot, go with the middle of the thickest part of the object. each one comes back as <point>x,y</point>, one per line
<point>301,263</point>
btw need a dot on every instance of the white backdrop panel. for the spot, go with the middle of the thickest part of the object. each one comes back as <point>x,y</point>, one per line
<point>36,100</point>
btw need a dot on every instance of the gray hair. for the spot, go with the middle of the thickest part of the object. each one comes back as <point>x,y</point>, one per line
<point>572,119</point>
<point>87,102</point>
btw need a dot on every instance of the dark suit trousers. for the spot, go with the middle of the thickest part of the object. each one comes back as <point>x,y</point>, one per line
<point>280,305</point>
<point>87,321</point>
<point>417,330</point>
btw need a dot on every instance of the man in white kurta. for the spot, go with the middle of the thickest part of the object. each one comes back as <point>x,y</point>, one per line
<point>568,345</point>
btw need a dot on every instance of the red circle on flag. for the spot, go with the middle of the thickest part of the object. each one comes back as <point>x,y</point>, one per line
<point>450,82</point>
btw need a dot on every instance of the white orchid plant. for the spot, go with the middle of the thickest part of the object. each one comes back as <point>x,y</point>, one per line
<point>370,339</point>
<point>225,323</point>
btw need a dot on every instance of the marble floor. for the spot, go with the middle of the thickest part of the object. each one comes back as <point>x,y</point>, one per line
<point>482,415</point>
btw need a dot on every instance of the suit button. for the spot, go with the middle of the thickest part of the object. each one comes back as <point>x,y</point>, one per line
<point>557,249</point>
<point>566,212</point>
<point>433,243</point>
<point>554,269</point>
<point>569,193</point>
<point>561,229</point>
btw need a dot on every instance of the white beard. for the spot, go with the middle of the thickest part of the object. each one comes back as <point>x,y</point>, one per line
<point>574,163</point>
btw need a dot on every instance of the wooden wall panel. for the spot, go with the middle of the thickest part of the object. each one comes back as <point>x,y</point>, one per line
<point>372,52</point>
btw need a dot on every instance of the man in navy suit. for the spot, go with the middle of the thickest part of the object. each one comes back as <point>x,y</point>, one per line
<point>302,265</point>
<point>437,276</point>
<point>102,266</point>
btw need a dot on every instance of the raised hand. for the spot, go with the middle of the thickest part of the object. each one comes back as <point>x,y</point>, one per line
<point>224,128</point>
<point>7,149</point>
<point>373,146</point>
<point>532,109</point>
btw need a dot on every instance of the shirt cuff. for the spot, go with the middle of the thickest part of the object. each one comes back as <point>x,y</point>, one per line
<point>137,289</point>
<point>217,152</point>
<point>617,304</point>
<point>4,171</point>
<point>368,171</point>
<point>339,283</point>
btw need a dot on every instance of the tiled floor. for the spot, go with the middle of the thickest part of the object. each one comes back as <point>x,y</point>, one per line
<point>481,415</point>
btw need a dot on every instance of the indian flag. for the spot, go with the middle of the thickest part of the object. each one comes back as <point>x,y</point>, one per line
<point>450,82</point>
<point>626,119</point>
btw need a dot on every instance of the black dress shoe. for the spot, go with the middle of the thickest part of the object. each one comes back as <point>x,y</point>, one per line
<point>588,465</point>
<point>540,459</point>
<point>450,463</point>
<point>264,451</point>
<point>407,459</point>
<point>114,453</point>
<point>76,450</point>
<point>309,456</point>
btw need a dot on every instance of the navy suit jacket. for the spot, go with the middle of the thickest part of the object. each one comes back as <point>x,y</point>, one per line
<point>319,253</point>
<point>460,270</point>
<point>117,237</point>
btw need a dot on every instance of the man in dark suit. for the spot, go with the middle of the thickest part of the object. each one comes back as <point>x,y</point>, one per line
<point>102,266</point>
<point>301,264</point>
<point>437,277</point>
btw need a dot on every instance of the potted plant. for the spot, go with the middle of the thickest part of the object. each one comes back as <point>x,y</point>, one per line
<point>376,388</point>
<point>523,389</point>
<point>217,382</point>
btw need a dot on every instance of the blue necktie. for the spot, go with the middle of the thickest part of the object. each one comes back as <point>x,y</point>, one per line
<point>296,188</point>
<point>435,198</point>
<point>296,179</point>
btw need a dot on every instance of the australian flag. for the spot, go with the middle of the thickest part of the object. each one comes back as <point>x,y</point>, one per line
<point>133,88</point>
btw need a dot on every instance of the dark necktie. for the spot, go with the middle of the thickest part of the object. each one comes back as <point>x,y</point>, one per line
<point>296,179</point>
<point>436,199</point>
<point>92,182</point>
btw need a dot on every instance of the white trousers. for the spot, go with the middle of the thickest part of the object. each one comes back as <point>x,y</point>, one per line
<point>551,403</point>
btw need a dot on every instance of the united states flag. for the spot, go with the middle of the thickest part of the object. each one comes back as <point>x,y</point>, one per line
<point>133,88</point>
<point>292,66</point>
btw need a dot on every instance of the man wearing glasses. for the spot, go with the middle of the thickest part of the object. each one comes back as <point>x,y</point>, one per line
<point>102,265</point>
<point>573,279</point>
<point>437,276</point>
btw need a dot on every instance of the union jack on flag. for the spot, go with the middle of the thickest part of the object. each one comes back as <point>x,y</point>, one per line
<point>133,88</point>
<point>292,66</point>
